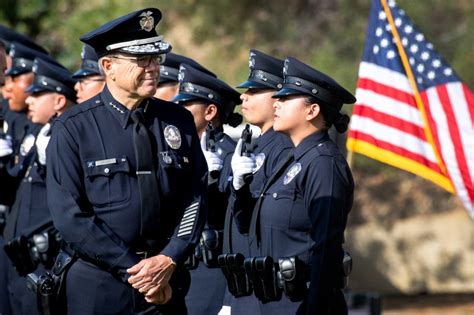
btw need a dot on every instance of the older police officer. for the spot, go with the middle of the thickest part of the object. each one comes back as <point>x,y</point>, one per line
<point>126,180</point>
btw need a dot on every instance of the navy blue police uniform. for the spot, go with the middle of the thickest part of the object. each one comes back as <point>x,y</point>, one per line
<point>206,293</point>
<point>16,127</point>
<point>93,184</point>
<point>303,208</point>
<point>30,215</point>
<point>265,72</point>
<point>89,64</point>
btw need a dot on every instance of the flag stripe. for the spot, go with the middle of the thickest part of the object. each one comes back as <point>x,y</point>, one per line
<point>396,94</point>
<point>384,76</point>
<point>403,125</point>
<point>400,150</point>
<point>393,135</point>
<point>389,106</point>
<point>470,100</point>
<point>447,149</point>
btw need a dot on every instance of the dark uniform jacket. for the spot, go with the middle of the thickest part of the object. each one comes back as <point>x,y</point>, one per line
<point>93,192</point>
<point>303,212</point>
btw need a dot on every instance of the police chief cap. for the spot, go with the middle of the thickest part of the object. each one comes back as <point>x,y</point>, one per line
<point>133,34</point>
<point>302,79</point>
<point>7,35</point>
<point>89,64</point>
<point>170,68</point>
<point>22,59</point>
<point>265,72</point>
<point>197,85</point>
<point>52,77</point>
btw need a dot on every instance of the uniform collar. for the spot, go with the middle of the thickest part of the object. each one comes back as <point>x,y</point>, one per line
<point>266,138</point>
<point>310,142</point>
<point>118,110</point>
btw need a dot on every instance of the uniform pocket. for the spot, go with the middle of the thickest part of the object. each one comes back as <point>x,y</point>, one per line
<point>175,171</point>
<point>107,181</point>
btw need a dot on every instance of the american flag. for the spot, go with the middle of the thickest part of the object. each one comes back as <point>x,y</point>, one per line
<point>412,110</point>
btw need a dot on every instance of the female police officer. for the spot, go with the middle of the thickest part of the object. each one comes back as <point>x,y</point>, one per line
<point>300,217</point>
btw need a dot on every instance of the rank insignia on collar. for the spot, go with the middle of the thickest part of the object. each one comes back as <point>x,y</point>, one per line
<point>259,160</point>
<point>172,137</point>
<point>147,21</point>
<point>292,172</point>
<point>27,144</point>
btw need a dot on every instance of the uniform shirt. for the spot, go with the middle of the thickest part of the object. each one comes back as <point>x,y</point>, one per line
<point>303,212</point>
<point>269,149</point>
<point>93,190</point>
<point>219,191</point>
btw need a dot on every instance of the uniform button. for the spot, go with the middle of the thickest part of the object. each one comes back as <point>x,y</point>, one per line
<point>30,179</point>
<point>275,195</point>
<point>261,195</point>
<point>106,170</point>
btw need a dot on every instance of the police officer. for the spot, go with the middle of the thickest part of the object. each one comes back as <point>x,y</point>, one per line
<point>265,78</point>
<point>212,103</point>
<point>90,79</point>
<point>168,87</point>
<point>126,180</point>
<point>300,218</point>
<point>51,93</point>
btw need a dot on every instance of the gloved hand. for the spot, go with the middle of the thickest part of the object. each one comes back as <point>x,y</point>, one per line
<point>5,147</point>
<point>241,166</point>
<point>42,142</point>
<point>213,159</point>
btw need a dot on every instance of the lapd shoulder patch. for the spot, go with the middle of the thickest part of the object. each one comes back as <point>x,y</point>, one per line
<point>27,144</point>
<point>172,137</point>
<point>259,160</point>
<point>292,172</point>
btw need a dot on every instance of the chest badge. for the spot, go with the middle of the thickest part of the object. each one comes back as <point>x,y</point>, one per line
<point>292,172</point>
<point>172,137</point>
<point>27,144</point>
<point>259,160</point>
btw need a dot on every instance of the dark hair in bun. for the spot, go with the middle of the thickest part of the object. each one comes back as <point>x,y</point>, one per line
<point>330,115</point>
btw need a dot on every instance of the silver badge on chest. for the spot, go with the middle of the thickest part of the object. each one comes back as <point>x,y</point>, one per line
<point>27,144</point>
<point>292,172</point>
<point>259,160</point>
<point>172,137</point>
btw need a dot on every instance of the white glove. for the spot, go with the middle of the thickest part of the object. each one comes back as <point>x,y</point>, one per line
<point>241,166</point>
<point>5,147</point>
<point>42,142</point>
<point>213,159</point>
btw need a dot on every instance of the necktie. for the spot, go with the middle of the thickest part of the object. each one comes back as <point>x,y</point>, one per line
<point>146,176</point>
<point>254,223</point>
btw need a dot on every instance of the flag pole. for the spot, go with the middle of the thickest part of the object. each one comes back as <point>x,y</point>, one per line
<point>416,93</point>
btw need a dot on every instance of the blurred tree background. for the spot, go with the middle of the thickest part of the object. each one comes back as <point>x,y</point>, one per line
<point>328,34</point>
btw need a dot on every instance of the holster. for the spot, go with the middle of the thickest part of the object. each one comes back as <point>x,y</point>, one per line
<point>50,288</point>
<point>232,266</point>
<point>263,276</point>
<point>292,278</point>
<point>45,247</point>
<point>18,250</point>
<point>211,247</point>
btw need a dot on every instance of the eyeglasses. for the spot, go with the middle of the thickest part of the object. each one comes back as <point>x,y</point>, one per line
<point>144,61</point>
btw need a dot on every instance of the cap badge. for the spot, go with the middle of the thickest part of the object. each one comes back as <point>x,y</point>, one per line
<point>181,73</point>
<point>146,21</point>
<point>285,67</point>
<point>251,61</point>
<point>292,172</point>
<point>83,52</point>
<point>172,137</point>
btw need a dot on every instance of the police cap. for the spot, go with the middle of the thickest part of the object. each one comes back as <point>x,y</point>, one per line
<point>170,68</point>
<point>7,35</point>
<point>302,79</point>
<point>22,59</point>
<point>89,64</point>
<point>197,85</point>
<point>52,77</point>
<point>133,34</point>
<point>265,72</point>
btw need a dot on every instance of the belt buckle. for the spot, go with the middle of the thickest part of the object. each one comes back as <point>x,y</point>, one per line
<point>142,254</point>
